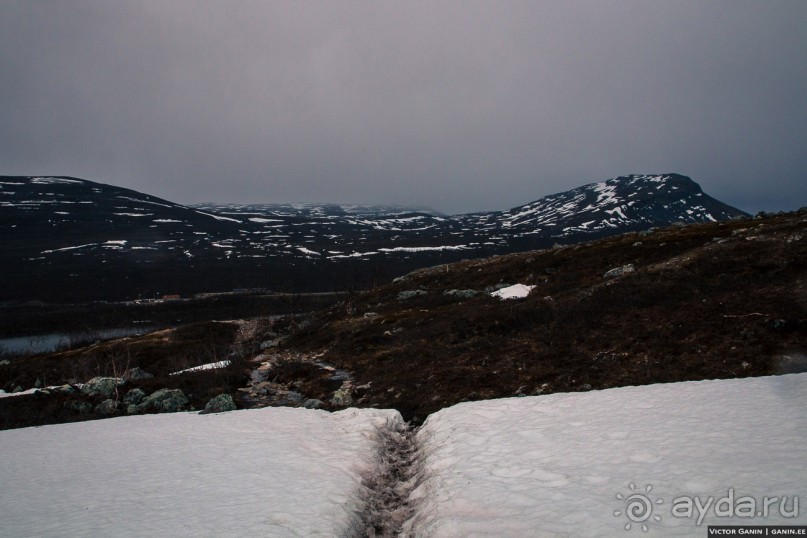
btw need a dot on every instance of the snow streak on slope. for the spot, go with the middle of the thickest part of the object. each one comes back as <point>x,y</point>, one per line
<point>265,472</point>
<point>554,465</point>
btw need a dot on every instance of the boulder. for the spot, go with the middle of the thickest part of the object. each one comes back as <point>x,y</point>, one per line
<point>342,397</point>
<point>617,271</point>
<point>170,401</point>
<point>312,403</point>
<point>220,404</point>
<point>136,374</point>
<point>408,294</point>
<point>64,389</point>
<point>102,386</point>
<point>162,401</point>
<point>461,294</point>
<point>134,397</point>
<point>107,407</point>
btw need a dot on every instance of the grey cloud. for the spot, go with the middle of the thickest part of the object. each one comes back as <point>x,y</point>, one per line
<point>460,105</point>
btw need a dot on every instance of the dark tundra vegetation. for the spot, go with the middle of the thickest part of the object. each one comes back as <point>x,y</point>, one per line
<point>714,300</point>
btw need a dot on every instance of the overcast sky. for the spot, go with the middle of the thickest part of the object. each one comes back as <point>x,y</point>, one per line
<point>457,105</point>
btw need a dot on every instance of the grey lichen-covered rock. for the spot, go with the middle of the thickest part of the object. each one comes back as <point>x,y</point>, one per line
<point>617,271</point>
<point>172,401</point>
<point>162,401</point>
<point>102,386</point>
<point>339,375</point>
<point>107,407</point>
<point>64,389</point>
<point>461,294</point>
<point>408,294</point>
<point>134,397</point>
<point>136,374</point>
<point>342,397</point>
<point>312,403</point>
<point>220,404</point>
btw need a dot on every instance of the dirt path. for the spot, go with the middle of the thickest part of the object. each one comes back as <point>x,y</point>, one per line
<point>386,492</point>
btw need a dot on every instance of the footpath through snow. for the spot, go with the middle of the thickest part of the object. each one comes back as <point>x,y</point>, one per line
<point>602,463</point>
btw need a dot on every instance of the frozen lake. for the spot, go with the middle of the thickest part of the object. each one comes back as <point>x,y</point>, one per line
<point>46,343</point>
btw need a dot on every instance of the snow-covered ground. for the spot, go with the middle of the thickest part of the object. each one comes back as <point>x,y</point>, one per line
<point>583,464</point>
<point>209,366</point>
<point>265,472</point>
<point>516,291</point>
<point>555,465</point>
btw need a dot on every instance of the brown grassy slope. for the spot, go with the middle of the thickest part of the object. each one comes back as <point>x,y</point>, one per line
<point>706,301</point>
<point>158,353</point>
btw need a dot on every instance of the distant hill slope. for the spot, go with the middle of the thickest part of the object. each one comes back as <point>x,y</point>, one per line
<point>622,201</point>
<point>313,210</point>
<point>68,239</point>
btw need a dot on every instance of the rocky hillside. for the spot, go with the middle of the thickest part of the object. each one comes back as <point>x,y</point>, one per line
<point>701,301</point>
<point>71,240</point>
<point>717,300</point>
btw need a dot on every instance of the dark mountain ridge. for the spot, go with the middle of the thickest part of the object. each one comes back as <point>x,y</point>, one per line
<point>66,239</point>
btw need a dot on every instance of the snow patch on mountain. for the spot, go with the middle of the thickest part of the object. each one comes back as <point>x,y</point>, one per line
<point>516,291</point>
